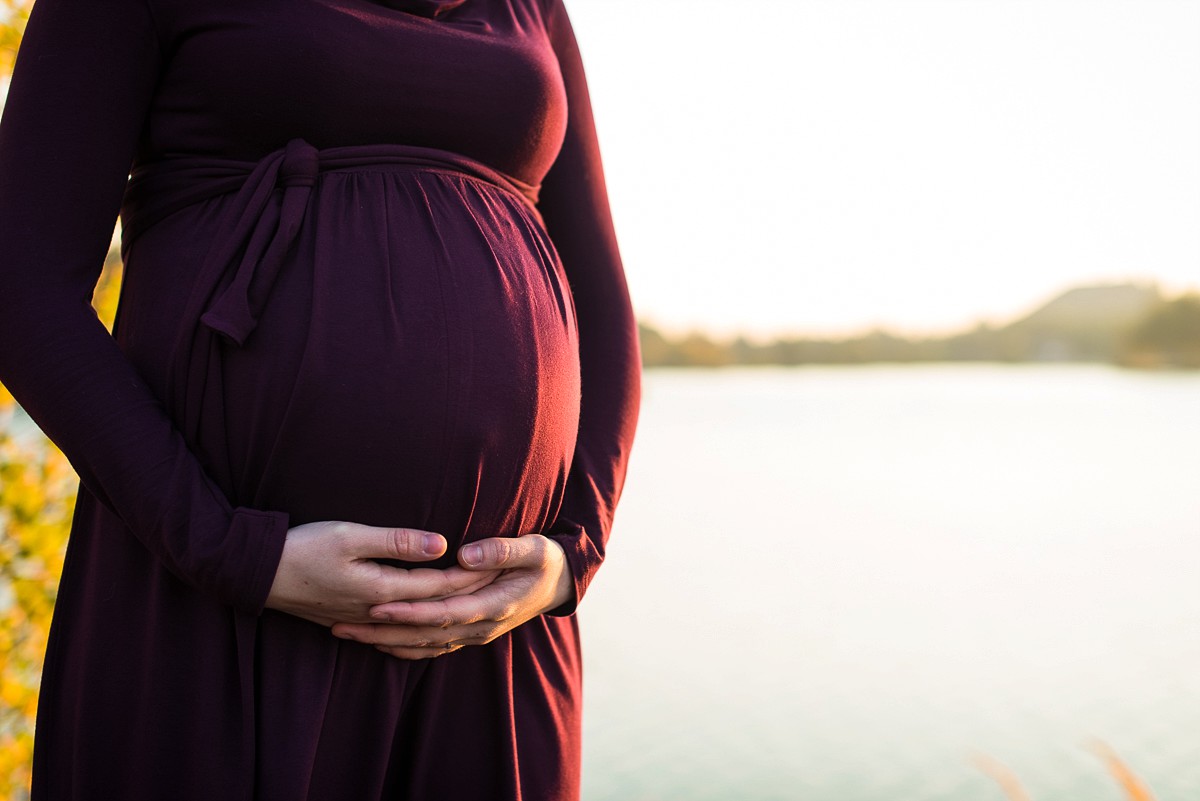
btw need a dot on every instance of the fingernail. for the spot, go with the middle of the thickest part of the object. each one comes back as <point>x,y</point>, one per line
<point>343,635</point>
<point>432,544</point>
<point>472,554</point>
<point>379,615</point>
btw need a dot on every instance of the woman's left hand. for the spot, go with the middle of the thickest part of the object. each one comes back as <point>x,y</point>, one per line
<point>533,578</point>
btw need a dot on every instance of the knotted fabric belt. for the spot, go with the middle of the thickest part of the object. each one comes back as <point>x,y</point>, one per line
<point>260,224</point>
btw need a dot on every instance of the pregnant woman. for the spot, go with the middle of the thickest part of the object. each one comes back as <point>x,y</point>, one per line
<point>351,456</point>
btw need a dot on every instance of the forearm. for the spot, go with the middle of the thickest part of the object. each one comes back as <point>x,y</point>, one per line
<point>82,85</point>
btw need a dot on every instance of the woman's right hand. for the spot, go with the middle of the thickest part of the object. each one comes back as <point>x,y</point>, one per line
<point>328,573</point>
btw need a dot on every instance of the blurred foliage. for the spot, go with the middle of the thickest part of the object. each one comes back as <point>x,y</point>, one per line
<point>36,501</point>
<point>13,16</point>
<point>37,498</point>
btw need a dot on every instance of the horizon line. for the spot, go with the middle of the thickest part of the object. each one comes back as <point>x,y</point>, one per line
<point>728,334</point>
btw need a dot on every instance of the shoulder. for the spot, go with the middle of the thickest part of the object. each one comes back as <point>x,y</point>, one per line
<point>545,11</point>
<point>552,15</point>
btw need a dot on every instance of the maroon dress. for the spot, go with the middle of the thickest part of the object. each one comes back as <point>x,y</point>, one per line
<point>370,276</point>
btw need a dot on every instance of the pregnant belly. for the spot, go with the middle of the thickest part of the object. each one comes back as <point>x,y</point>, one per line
<point>415,363</point>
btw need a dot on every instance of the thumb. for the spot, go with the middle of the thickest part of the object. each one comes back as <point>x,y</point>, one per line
<point>407,544</point>
<point>499,553</point>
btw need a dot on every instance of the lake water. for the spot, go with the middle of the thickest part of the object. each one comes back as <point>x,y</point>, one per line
<point>842,584</point>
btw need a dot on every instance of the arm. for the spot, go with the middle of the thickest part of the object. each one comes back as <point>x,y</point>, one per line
<point>80,92</point>
<point>574,204</point>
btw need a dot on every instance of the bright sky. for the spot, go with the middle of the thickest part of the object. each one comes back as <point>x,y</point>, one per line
<point>829,165</point>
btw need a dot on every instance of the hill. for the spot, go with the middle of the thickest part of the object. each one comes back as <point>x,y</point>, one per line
<point>1082,324</point>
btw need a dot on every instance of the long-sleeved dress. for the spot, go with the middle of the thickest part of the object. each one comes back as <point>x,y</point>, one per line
<point>370,276</point>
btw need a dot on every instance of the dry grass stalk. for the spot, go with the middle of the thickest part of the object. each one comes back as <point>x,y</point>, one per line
<point>1004,777</point>
<point>1134,787</point>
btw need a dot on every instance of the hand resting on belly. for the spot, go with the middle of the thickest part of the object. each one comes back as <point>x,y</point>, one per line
<point>328,575</point>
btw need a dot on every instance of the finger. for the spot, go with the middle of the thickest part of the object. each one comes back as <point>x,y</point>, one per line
<point>497,601</point>
<point>418,653</point>
<point>387,583</point>
<point>502,553</point>
<point>416,585</point>
<point>458,610</point>
<point>406,544</point>
<point>392,636</point>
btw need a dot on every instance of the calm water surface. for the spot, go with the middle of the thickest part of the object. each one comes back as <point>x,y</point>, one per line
<point>840,584</point>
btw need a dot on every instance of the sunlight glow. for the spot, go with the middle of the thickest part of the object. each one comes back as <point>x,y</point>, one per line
<point>828,166</point>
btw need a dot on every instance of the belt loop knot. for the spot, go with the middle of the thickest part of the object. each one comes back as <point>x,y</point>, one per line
<point>263,228</point>
<point>300,164</point>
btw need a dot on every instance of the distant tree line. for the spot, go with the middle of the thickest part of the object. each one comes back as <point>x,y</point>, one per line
<point>1124,324</point>
<point>1169,336</point>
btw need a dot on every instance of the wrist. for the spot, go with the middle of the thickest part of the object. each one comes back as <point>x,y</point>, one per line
<point>564,590</point>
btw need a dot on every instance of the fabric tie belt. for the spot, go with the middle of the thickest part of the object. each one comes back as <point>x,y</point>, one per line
<point>260,224</point>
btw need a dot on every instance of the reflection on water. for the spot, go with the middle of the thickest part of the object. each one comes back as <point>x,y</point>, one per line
<point>846,584</point>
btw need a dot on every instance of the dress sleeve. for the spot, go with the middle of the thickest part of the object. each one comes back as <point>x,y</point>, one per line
<point>80,91</point>
<point>574,204</point>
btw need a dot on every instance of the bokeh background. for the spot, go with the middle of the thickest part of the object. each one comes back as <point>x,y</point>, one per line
<point>914,510</point>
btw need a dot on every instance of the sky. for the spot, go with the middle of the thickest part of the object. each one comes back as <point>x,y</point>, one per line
<point>827,166</point>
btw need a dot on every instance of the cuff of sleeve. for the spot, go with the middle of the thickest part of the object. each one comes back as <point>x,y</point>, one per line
<point>582,560</point>
<point>259,536</point>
